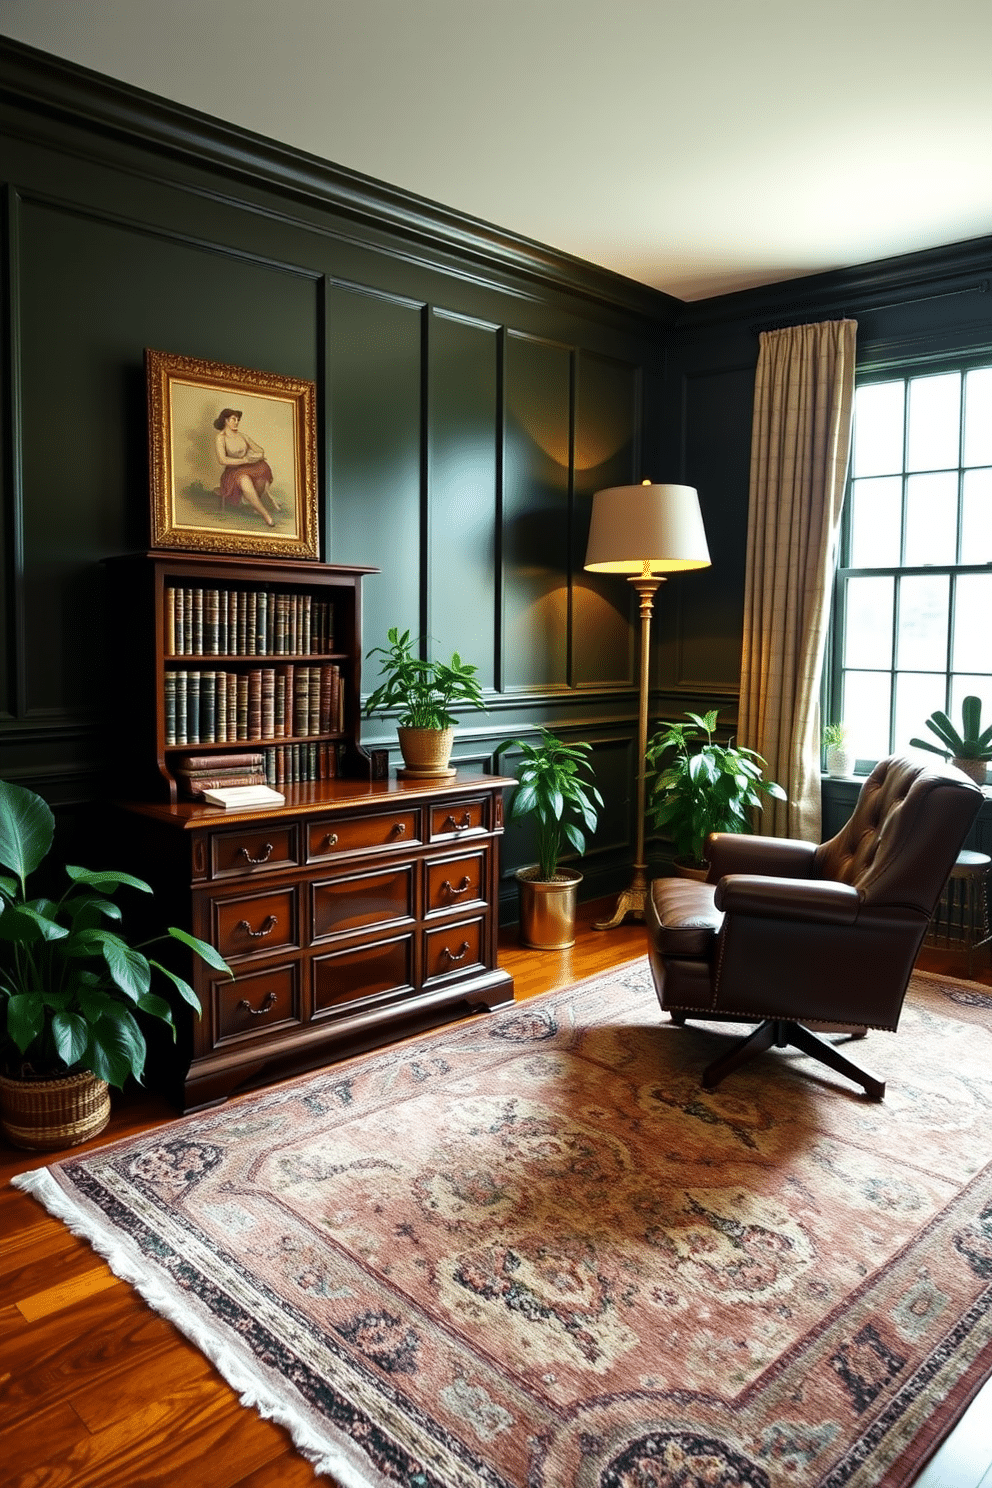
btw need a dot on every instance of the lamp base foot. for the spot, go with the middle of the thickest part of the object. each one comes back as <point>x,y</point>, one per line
<point>631,902</point>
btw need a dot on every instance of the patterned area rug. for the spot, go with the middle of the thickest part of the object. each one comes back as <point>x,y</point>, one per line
<point>529,1251</point>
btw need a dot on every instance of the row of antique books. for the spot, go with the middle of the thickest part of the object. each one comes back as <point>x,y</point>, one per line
<point>246,622</point>
<point>278,764</point>
<point>277,702</point>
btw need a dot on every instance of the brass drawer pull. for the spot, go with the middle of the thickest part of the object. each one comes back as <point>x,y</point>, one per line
<point>269,1001</point>
<point>331,840</point>
<point>398,829</point>
<point>449,888</point>
<point>450,825</point>
<point>263,856</point>
<point>457,955</point>
<point>268,925</point>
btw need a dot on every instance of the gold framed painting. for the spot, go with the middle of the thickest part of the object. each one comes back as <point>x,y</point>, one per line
<point>233,459</point>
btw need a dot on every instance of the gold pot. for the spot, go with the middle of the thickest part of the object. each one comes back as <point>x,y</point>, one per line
<point>47,1115</point>
<point>426,752</point>
<point>547,909</point>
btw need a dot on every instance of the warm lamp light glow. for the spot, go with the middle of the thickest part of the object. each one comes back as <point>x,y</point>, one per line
<point>646,529</point>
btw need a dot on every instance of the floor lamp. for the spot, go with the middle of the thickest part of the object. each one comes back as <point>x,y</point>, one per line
<point>645,532</point>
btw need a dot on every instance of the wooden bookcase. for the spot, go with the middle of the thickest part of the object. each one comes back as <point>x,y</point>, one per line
<point>258,630</point>
<point>356,912</point>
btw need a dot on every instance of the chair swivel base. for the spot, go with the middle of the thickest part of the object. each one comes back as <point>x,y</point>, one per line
<point>779,1032</point>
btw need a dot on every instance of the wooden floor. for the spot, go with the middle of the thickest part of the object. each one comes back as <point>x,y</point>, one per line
<point>97,1390</point>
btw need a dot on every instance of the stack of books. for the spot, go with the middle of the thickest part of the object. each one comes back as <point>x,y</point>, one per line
<point>198,773</point>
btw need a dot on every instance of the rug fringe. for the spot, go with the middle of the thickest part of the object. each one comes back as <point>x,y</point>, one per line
<point>252,1389</point>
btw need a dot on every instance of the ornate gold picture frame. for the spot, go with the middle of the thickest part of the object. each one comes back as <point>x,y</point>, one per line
<point>233,459</point>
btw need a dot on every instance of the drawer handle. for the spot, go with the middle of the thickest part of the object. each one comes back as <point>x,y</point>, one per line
<point>269,1001</point>
<point>398,829</point>
<point>331,840</point>
<point>263,856</point>
<point>450,825</point>
<point>449,888</point>
<point>268,925</point>
<point>456,955</point>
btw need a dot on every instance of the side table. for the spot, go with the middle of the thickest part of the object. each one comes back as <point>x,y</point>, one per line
<point>961,919</point>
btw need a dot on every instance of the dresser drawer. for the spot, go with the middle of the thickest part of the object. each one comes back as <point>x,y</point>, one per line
<point>332,837</point>
<point>254,924</point>
<point>257,1005</point>
<point>349,977</point>
<point>263,849</point>
<point>453,950</point>
<point>456,882</point>
<point>355,900</point>
<point>455,820</point>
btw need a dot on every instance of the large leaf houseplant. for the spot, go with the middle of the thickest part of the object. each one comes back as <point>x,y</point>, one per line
<point>555,789</point>
<point>696,786</point>
<point>73,991</point>
<point>971,749</point>
<point>424,692</point>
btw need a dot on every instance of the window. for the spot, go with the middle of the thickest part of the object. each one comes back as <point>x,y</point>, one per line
<point>913,597</point>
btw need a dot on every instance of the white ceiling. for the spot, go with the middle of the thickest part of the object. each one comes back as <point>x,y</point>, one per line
<point>699,147</point>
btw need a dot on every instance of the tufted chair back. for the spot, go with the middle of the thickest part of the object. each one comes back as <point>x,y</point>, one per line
<point>903,837</point>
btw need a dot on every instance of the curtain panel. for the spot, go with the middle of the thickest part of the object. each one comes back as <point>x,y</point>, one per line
<point>800,446</point>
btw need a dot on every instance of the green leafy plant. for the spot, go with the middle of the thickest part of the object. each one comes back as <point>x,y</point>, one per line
<point>424,691</point>
<point>972,744</point>
<point>696,786</point>
<point>834,735</point>
<point>70,987</point>
<point>550,788</point>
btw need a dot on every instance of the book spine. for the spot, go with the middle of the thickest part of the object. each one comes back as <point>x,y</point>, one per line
<point>243,705</point>
<point>170,707</point>
<point>301,702</point>
<point>211,622</point>
<point>255,703</point>
<point>262,625</point>
<point>220,733</point>
<point>181,736</point>
<point>170,620</point>
<point>313,694</point>
<point>249,759</point>
<point>268,703</point>
<point>179,604</point>
<point>193,707</point>
<point>224,621</point>
<point>242,623</point>
<point>308,624</point>
<point>197,622</point>
<point>280,624</point>
<point>208,707</point>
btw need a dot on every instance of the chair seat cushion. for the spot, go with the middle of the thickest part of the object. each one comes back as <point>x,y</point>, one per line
<point>684,922</point>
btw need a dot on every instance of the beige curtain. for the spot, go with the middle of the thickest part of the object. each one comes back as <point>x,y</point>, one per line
<point>800,443</point>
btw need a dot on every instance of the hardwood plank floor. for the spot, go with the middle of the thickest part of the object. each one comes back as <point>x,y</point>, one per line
<point>97,1391</point>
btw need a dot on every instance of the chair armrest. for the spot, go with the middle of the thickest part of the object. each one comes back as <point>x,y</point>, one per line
<point>817,901</point>
<point>737,852</point>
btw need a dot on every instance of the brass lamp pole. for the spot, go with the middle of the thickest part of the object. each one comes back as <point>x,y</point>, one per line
<point>644,532</point>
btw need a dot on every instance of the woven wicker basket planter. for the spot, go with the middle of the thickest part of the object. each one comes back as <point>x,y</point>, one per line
<point>47,1115</point>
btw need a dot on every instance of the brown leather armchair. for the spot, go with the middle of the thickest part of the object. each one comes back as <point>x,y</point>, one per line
<point>785,932</point>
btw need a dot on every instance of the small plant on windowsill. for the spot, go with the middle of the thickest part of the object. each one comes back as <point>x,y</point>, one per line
<point>970,750</point>
<point>840,760</point>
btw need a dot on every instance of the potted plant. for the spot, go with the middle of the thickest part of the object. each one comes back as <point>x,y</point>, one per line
<point>971,750</point>
<point>425,692</point>
<point>839,759</point>
<point>69,988</point>
<point>696,786</point>
<point>550,788</point>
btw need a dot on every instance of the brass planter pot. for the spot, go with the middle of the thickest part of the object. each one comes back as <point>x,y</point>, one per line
<point>426,752</point>
<point>48,1115</point>
<point>547,909</point>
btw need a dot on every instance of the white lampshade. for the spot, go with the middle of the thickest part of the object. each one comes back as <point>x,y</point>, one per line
<point>655,525</point>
